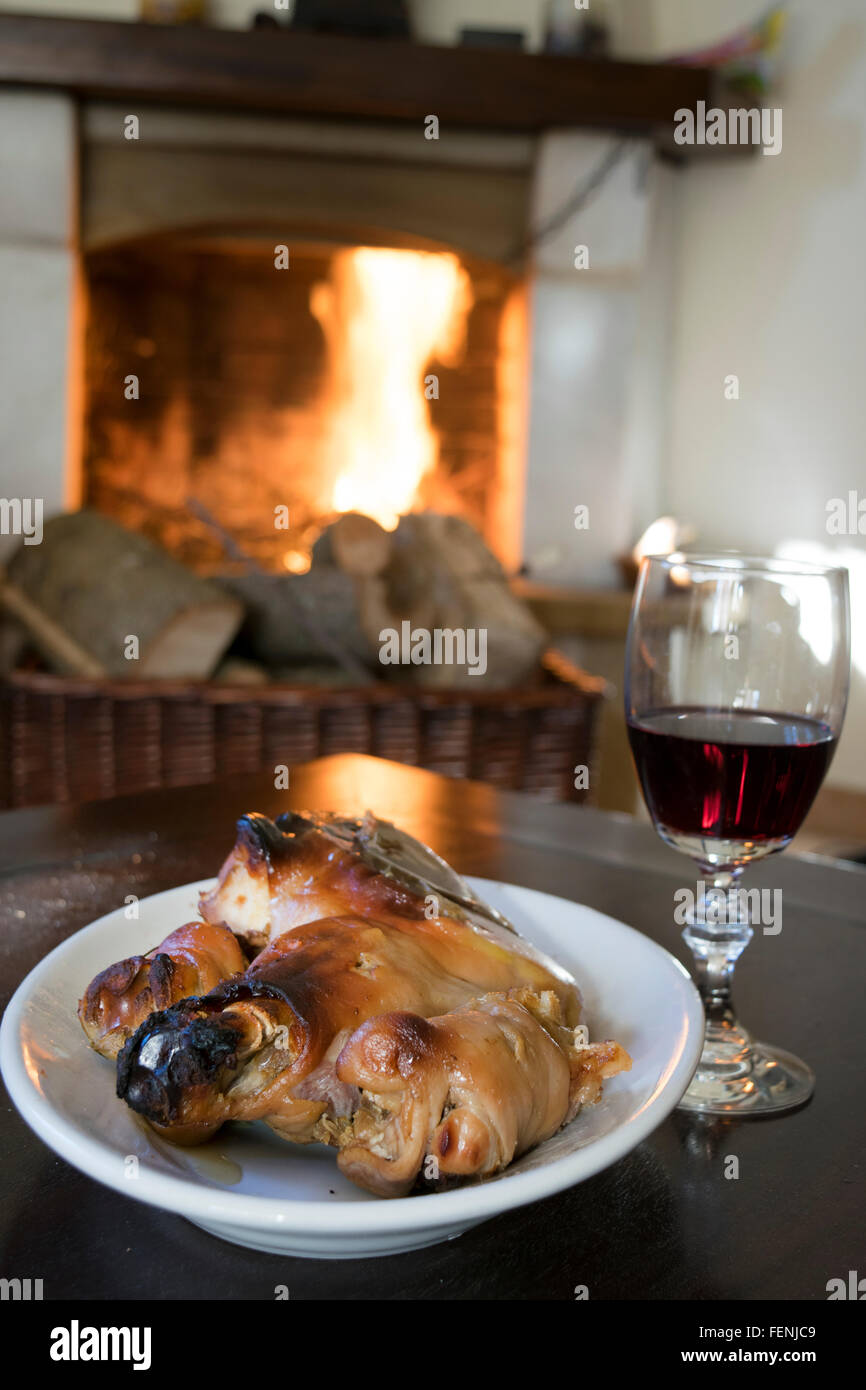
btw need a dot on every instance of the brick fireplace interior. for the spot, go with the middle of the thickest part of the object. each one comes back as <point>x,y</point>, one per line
<point>222,383</point>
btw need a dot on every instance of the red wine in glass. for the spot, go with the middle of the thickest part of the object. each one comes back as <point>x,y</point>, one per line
<point>731,786</point>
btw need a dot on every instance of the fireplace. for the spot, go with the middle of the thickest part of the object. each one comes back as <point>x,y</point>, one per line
<point>502,377</point>
<point>300,315</point>
<point>234,389</point>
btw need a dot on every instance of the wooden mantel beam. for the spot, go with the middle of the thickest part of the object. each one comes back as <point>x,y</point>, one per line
<point>335,76</point>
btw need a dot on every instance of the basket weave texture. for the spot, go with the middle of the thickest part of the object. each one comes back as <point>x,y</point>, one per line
<point>65,739</point>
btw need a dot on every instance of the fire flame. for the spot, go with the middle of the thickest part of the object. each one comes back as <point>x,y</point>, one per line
<point>386,314</point>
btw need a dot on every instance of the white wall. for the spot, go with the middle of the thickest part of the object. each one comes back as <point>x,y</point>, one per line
<point>664,28</point>
<point>598,407</point>
<point>770,284</point>
<point>38,258</point>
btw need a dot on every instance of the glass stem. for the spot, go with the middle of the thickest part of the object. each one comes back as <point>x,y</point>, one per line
<point>735,1075</point>
<point>717,932</point>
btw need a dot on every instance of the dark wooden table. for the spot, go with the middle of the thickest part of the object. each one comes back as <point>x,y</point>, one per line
<point>663,1223</point>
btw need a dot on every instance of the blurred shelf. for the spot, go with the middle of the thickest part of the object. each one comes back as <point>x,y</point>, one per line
<point>836,825</point>
<point>577,612</point>
<point>331,75</point>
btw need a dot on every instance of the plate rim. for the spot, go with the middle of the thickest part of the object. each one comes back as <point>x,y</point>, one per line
<point>194,1199</point>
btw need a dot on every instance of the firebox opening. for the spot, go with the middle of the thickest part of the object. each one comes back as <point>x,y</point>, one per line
<point>271,390</point>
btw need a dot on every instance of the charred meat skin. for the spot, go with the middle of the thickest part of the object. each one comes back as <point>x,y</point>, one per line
<point>174,1051</point>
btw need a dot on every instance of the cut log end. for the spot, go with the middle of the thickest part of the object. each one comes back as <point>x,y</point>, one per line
<point>191,642</point>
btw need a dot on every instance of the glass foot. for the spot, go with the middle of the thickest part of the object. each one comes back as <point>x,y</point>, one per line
<point>738,1076</point>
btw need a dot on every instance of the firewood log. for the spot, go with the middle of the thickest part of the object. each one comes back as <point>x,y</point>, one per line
<point>14,640</point>
<point>356,544</point>
<point>441,575</point>
<point>113,593</point>
<point>304,618</point>
<point>49,638</point>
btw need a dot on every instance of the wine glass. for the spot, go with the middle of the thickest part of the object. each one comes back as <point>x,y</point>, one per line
<point>736,683</point>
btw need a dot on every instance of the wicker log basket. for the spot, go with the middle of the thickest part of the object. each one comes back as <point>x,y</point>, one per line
<point>65,739</point>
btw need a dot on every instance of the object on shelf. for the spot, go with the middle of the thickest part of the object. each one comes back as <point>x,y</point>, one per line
<point>575,32</point>
<point>492,38</point>
<point>565,27</point>
<point>371,19</point>
<point>173,11</point>
<point>748,59</point>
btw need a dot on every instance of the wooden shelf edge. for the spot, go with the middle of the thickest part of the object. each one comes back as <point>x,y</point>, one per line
<point>337,76</point>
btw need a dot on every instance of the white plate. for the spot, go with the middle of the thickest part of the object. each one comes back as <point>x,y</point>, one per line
<point>254,1189</point>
